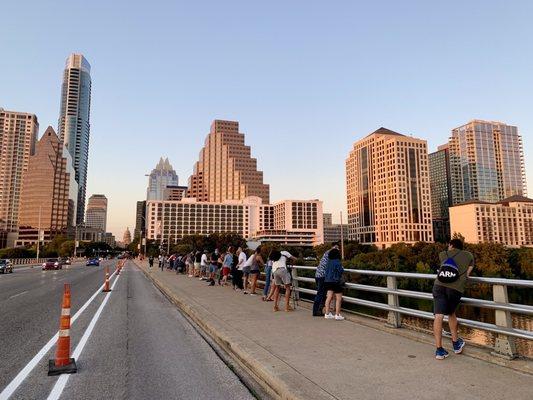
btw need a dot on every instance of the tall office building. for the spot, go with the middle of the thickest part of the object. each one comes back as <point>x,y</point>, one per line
<point>18,137</point>
<point>96,216</point>
<point>162,176</point>
<point>225,169</point>
<point>49,191</point>
<point>140,217</point>
<point>388,190</point>
<point>486,162</point>
<point>74,120</point>
<point>441,192</point>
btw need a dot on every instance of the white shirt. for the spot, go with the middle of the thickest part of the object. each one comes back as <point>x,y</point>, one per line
<point>203,260</point>
<point>282,262</point>
<point>250,261</point>
<point>242,260</point>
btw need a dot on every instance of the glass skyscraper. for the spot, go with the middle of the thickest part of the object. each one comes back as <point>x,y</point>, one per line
<point>74,120</point>
<point>486,162</point>
<point>162,175</point>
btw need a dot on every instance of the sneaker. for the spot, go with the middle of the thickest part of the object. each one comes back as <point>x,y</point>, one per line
<point>329,316</point>
<point>253,294</point>
<point>441,354</point>
<point>339,317</point>
<point>245,292</point>
<point>190,276</point>
<point>458,346</point>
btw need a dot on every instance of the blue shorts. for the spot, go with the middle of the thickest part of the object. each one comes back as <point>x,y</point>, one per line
<point>213,268</point>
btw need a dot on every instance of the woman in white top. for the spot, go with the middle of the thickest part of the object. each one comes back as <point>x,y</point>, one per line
<point>281,277</point>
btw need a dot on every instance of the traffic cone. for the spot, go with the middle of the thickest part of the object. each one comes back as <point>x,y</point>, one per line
<point>118,268</point>
<point>106,284</point>
<point>63,364</point>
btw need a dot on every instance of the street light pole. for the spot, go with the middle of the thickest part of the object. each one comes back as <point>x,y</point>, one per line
<point>342,239</point>
<point>39,234</point>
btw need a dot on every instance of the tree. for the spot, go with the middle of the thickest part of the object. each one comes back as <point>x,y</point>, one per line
<point>66,249</point>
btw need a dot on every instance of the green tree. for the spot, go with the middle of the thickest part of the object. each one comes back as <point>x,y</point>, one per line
<point>66,249</point>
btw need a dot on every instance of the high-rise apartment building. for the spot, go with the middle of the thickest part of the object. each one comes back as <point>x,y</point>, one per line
<point>74,120</point>
<point>49,191</point>
<point>486,162</point>
<point>508,222</point>
<point>388,190</point>
<point>174,193</point>
<point>140,218</point>
<point>441,192</point>
<point>225,169</point>
<point>162,176</point>
<point>18,137</point>
<point>96,215</point>
<point>333,232</point>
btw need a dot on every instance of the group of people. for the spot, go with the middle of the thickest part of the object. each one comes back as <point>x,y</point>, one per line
<point>243,270</point>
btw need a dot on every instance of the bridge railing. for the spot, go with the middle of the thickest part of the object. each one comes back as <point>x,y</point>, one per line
<point>503,328</point>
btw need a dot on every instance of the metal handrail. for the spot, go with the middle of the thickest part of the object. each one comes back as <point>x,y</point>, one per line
<point>416,275</point>
<point>503,309</point>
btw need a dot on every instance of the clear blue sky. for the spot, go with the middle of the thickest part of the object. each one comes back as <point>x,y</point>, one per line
<point>304,78</point>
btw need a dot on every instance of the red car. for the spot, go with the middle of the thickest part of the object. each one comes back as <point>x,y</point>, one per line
<point>52,263</point>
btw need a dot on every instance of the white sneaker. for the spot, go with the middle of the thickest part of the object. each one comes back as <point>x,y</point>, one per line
<point>339,317</point>
<point>329,316</point>
<point>190,276</point>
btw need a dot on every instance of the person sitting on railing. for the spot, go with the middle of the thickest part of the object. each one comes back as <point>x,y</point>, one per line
<point>456,266</point>
<point>333,284</point>
<point>320,273</point>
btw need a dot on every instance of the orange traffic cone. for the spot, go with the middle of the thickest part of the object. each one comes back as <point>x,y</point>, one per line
<point>106,284</point>
<point>118,268</point>
<point>63,364</point>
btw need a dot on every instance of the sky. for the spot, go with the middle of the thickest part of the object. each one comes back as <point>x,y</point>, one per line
<point>305,79</point>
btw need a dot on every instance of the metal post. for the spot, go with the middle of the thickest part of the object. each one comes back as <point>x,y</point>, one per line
<point>39,235</point>
<point>295,284</point>
<point>394,318</point>
<point>342,239</point>
<point>505,345</point>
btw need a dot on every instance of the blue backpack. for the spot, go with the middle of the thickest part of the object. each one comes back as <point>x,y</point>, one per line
<point>448,271</point>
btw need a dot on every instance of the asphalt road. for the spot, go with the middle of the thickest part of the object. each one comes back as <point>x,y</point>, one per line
<point>141,346</point>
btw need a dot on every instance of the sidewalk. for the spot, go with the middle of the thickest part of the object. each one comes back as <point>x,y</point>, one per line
<point>300,357</point>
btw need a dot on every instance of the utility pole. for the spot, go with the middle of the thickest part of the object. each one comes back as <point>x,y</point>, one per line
<point>342,238</point>
<point>39,234</point>
<point>76,243</point>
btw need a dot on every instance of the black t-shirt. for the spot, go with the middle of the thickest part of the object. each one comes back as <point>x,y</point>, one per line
<point>198,257</point>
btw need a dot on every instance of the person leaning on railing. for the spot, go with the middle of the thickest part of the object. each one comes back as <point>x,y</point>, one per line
<point>320,274</point>
<point>333,284</point>
<point>456,266</point>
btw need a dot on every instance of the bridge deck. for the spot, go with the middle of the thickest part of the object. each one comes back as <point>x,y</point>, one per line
<point>314,358</point>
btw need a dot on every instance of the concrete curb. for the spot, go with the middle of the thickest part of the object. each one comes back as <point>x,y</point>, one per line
<point>274,375</point>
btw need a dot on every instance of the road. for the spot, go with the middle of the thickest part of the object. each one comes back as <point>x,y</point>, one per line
<point>141,346</point>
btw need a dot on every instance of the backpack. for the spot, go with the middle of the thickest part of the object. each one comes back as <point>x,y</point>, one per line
<point>448,271</point>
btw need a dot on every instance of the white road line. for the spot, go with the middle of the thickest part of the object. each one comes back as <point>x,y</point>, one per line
<point>24,372</point>
<point>16,295</point>
<point>58,388</point>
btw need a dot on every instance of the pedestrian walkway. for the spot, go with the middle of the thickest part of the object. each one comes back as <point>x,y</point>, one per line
<point>301,357</point>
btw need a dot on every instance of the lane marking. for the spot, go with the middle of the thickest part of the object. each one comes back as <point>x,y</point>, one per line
<point>58,388</point>
<point>16,295</point>
<point>24,372</point>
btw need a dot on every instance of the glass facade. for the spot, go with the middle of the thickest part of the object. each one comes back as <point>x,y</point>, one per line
<point>74,120</point>
<point>441,193</point>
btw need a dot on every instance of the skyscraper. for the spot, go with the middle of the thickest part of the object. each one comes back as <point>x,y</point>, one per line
<point>225,169</point>
<point>140,216</point>
<point>162,175</point>
<point>486,162</point>
<point>96,216</point>
<point>441,192</point>
<point>18,136</point>
<point>388,190</point>
<point>49,191</point>
<point>74,120</point>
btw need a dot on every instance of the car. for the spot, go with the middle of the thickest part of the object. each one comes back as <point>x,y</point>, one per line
<point>64,260</point>
<point>93,261</point>
<point>5,266</point>
<point>52,263</point>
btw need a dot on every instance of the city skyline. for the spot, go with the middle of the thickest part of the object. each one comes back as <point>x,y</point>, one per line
<point>302,95</point>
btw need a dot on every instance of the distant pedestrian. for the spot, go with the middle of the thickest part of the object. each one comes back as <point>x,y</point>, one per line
<point>204,266</point>
<point>160,259</point>
<point>189,263</point>
<point>244,267</point>
<point>455,268</point>
<point>267,292</point>
<point>320,274</point>
<point>282,277</point>
<point>197,263</point>
<point>151,261</point>
<point>333,284</point>
<point>213,269</point>
<point>236,271</point>
<point>227,265</point>
<point>255,265</point>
